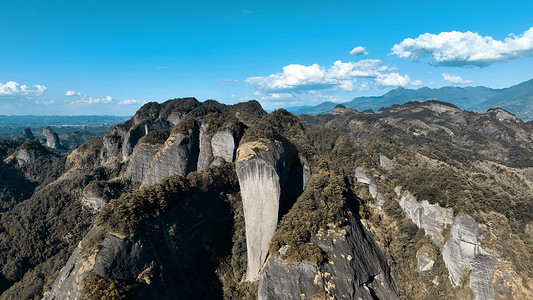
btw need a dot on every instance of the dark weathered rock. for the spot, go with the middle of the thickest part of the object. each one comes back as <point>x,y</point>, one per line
<point>140,162</point>
<point>138,131</point>
<point>355,268</point>
<point>68,283</point>
<point>170,258</point>
<point>179,155</point>
<point>28,134</point>
<point>112,143</point>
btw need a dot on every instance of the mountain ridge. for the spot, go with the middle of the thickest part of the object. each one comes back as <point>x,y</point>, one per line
<point>479,99</point>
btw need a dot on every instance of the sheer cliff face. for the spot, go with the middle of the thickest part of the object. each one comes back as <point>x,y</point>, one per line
<point>354,268</point>
<point>260,182</point>
<point>179,155</point>
<point>140,162</point>
<point>463,251</point>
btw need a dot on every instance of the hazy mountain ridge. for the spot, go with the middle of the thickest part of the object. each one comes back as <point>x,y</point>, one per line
<point>515,99</point>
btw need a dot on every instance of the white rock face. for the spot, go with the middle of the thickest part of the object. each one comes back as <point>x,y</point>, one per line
<point>503,115</point>
<point>205,157</point>
<point>175,117</point>
<point>462,251</point>
<point>424,262</point>
<point>385,162</point>
<point>26,156</point>
<point>92,201</point>
<point>52,139</point>
<point>439,108</point>
<point>431,217</point>
<point>223,145</point>
<point>372,186</point>
<point>260,191</point>
<point>179,155</point>
<point>141,161</point>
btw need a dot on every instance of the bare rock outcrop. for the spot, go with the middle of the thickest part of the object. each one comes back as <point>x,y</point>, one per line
<point>424,262</point>
<point>463,252</point>
<point>373,188</point>
<point>112,143</point>
<point>431,217</point>
<point>137,132</point>
<point>52,139</point>
<point>223,145</point>
<point>92,201</point>
<point>385,162</point>
<point>179,155</point>
<point>262,168</point>
<point>27,153</point>
<point>27,134</point>
<point>140,162</point>
<point>355,268</point>
<point>205,157</point>
<point>502,115</point>
<point>68,283</point>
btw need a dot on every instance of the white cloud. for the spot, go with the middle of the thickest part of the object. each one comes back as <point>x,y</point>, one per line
<point>132,101</point>
<point>45,102</point>
<point>13,88</point>
<point>72,93</point>
<point>309,84</point>
<point>364,87</point>
<point>416,82</point>
<point>224,81</point>
<point>359,50</point>
<point>455,79</point>
<point>392,79</point>
<point>91,100</point>
<point>299,78</point>
<point>465,48</point>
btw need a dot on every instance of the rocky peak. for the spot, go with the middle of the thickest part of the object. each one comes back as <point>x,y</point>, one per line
<point>27,134</point>
<point>52,139</point>
<point>502,115</point>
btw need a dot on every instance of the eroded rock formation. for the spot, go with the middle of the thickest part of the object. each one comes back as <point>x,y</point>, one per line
<point>463,252</point>
<point>52,139</point>
<point>179,155</point>
<point>262,168</point>
<point>373,189</point>
<point>355,268</point>
<point>431,217</point>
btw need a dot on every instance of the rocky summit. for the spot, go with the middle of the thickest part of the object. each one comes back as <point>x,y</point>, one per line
<point>202,200</point>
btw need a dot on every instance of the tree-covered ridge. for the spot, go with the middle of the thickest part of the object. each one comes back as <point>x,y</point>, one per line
<point>438,153</point>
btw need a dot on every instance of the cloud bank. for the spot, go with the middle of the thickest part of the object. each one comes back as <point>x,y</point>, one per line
<point>12,88</point>
<point>457,48</point>
<point>340,76</point>
<point>454,79</point>
<point>132,101</point>
<point>305,84</point>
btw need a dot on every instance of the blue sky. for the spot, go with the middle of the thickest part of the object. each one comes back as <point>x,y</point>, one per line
<point>108,57</point>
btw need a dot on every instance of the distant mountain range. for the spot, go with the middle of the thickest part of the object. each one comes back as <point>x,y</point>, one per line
<point>29,120</point>
<point>517,99</point>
